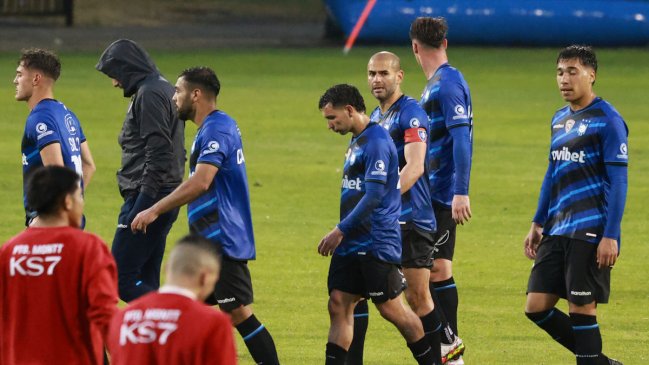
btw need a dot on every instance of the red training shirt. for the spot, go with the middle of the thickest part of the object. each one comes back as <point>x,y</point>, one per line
<point>171,327</point>
<point>58,289</point>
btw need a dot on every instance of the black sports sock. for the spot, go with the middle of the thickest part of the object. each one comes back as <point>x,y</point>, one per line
<point>447,336</point>
<point>335,355</point>
<point>557,324</point>
<point>422,352</point>
<point>361,320</point>
<point>588,340</point>
<point>448,299</point>
<point>258,341</point>
<point>432,328</point>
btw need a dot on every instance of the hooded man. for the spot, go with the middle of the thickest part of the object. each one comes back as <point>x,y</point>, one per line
<point>153,161</point>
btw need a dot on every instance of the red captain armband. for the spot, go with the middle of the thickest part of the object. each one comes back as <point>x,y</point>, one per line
<point>415,135</point>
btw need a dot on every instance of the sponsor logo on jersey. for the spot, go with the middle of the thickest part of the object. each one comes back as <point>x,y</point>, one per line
<point>69,124</point>
<point>557,126</point>
<point>624,154</point>
<point>212,146</point>
<point>379,168</point>
<point>569,124</point>
<point>565,155</point>
<point>460,113</point>
<point>414,123</point>
<point>41,129</point>
<point>352,184</point>
<point>25,163</point>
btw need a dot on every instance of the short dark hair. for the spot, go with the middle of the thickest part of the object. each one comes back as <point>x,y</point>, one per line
<point>429,31</point>
<point>43,60</point>
<point>203,78</point>
<point>47,187</point>
<point>585,54</point>
<point>341,95</point>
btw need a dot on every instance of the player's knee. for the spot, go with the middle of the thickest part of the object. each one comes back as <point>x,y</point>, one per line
<point>336,306</point>
<point>418,301</point>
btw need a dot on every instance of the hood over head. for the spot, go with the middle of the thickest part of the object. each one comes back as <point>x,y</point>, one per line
<point>128,63</point>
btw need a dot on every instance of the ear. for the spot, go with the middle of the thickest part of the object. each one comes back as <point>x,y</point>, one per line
<point>445,43</point>
<point>415,47</point>
<point>350,110</point>
<point>400,76</point>
<point>68,202</point>
<point>592,76</point>
<point>36,79</point>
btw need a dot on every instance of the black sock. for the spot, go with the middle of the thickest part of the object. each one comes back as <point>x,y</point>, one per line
<point>447,336</point>
<point>432,328</point>
<point>557,324</point>
<point>335,355</point>
<point>448,299</point>
<point>422,352</point>
<point>258,341</point>
<point>588,340</point>
<point>361,319</point>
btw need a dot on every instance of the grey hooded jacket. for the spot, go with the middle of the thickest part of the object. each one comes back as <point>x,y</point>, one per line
<point>152,137</point>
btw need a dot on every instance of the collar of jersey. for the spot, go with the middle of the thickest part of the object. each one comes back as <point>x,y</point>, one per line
<point>172,289</point>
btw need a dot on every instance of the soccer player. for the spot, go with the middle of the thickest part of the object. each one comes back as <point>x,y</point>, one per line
<point>173,325</point>
<point>407,124</point>
<point>53,134</point>
<point>366,244</point>
<point>575,234</point>
<point>447,101</point>
<point>58,284</point>
<point>153,163</point>
<point>218,203</point>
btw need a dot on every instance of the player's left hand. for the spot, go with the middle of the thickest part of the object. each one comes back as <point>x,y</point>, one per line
<point>606,253</point>
<point>330,241</point>
<point>143,219</point>
<point>461,209</point>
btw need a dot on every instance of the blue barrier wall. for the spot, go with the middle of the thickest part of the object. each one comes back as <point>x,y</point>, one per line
<point>504,22</point>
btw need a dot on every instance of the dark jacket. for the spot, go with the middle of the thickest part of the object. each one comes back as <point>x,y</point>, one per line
<point>152,137</point>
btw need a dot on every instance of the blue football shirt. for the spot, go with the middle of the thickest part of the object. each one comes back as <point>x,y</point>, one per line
<point>51,122</point>
<point>447,101</point>
<point>372,156</point>
<point>222,214</point>
<point>407,122</point>
<point>583,142</point>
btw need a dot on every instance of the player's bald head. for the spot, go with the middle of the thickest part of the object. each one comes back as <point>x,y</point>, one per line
<point>389,59</point>
<point>191,255</point>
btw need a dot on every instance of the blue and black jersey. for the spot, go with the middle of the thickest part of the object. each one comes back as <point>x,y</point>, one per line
<point>372,157</point>
<point>407,122</point>
<point>51,122</point>
<point>575,196</point>
<point>447,101</point>
<point>222,214</point>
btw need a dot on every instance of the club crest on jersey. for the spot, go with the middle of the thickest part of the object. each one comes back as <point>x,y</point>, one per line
<point>569,124</point>
<point>69,124</point>
<point>351,155</point>
<point>414,123</point>
<point>379,168</point>
<point>582,129</point>
<point>212,147</point>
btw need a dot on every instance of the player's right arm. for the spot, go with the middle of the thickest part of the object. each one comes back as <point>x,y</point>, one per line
<point>533,238</point>
<point>87,164</point>
<point>51,155</point>
<point>188,191</point>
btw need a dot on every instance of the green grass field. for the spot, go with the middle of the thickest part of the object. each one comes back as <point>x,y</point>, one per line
<point>294,170</point>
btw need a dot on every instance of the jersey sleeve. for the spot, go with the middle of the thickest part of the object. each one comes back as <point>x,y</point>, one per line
<point>454,104</point>
<point>414,124</point>
<point>82,136</point>
<point>615,142</point>
<point>42,128</point>
<point>376,158</point>
<point>100,285</point>
<point>214,147</point>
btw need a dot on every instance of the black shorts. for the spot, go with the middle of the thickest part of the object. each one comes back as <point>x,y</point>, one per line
<point>234,288</point>
<point>568,268</point>
<point>366,276</point>
<point>445,235</point>
<point>418,247</point>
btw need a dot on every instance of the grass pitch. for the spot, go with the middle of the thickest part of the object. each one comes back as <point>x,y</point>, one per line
<point>294,166</point>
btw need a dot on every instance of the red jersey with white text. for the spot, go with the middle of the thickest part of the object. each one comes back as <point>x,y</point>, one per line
<point>58,288</point>
<point>171,328</point>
